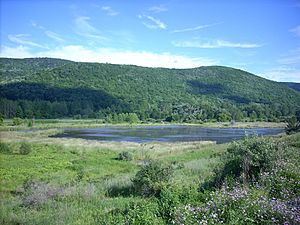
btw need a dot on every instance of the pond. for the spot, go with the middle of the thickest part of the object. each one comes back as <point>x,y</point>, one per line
<point>180,133</point>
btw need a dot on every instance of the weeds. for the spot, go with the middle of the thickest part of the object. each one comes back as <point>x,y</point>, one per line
<point>255,182</point>
<point>5,148</point>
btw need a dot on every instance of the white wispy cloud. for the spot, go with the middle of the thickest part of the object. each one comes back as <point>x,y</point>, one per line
<point>152,23</point>
<point>290,60</point>
<point>82,23</point>
<point>214,44</point>
<point>196,28</point>
<point>36,25</point>
<point>86,29</point>
<point>282,74</point>
<point>292,57</point>
<point>23,40</point>
<point>158,8</point>
<point>296,31</point>
<point>54,36</point>
<point>109,55</point>
<point>110,11</point>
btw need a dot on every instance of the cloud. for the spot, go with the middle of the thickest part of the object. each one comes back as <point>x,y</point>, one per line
<point>82,23</point>
<point>293,57</point>
<point>283,74</point>
<point>48,33</point>
<point>214,44</point>
<point>109,11</point>
<point>54,36</point>
<point>152,23</point>
<point>296,31</point>
<point>196,28</point>
<point>15,52</point>
<point>158,9</point>
<point>85,29</point>
<point>108,55</point>
<point>34,24</point>
<point>290,60</point>
<point>23,40</point>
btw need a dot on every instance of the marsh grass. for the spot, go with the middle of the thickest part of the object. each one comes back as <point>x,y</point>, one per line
<point>77,181</point>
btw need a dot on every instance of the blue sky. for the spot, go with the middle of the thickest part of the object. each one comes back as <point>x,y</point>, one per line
<point>260,36</point>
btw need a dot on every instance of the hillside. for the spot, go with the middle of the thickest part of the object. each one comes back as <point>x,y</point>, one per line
<point>52,88</point>
<point>295,86</point>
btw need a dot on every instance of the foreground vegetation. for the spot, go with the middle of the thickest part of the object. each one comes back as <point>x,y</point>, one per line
<point>71,181</point>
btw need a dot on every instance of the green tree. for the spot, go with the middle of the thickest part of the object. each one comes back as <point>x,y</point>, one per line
<point>132,118</point>
<point>224,117</point>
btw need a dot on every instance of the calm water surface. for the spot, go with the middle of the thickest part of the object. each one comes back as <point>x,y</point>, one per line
<point>142,134</point>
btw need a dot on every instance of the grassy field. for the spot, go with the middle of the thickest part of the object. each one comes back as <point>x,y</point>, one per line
<point>85,174</point>
<point>72,181</point>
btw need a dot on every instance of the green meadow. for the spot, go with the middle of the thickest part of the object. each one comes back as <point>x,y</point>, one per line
<point>74,181</point>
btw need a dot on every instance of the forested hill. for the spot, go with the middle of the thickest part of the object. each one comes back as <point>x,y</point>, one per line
<point>295,86</point>
<point>54,88</point>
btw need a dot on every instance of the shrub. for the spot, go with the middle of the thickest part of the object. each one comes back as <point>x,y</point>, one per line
<point>25,148</point>
<point>4,148</point>
<point>293,125</point>
<point>245,160</point>
<point>249,157</point>
<point>30,123</point>
<point>152,177</point>
<point>143,213</point>
<point>17,121</point>
<point>172,197</point>
<point>125,156</point>
<point>77,117</point>
<point>37,193</point>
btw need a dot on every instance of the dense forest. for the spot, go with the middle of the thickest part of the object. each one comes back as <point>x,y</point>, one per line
<point>295,86</point>
<point>54,88</point>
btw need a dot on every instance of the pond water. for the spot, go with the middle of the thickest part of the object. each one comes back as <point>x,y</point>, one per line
<point>178,133</point>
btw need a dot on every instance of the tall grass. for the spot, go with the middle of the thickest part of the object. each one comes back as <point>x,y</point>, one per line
<point>83,182</point>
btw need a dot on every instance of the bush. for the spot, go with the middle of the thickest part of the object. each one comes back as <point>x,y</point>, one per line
<point>4,148</point>
<point>25,148</point>
<point>125,156</point>
<point>293,125</point>
<point>30,123</point>
<point>37,193</point>
<point>249,157</point>
<point>17,121</point>
<point>153,176</point>
<point>245,160</point>
<point>172,197</point>
<point>143,212</point>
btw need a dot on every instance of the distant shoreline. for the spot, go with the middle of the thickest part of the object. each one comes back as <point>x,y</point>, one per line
<point>93,123</point>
